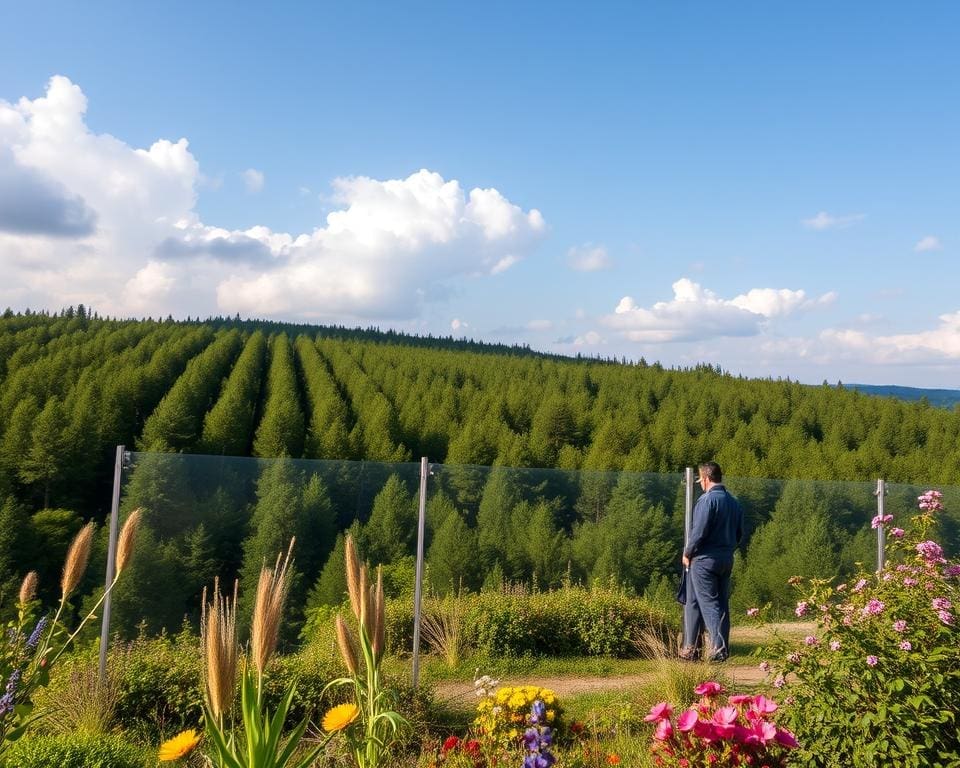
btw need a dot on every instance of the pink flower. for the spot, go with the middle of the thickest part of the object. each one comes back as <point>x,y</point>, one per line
<point>909,581</point>
<point>765,731</point>
<point>873,607</point>
<point>951,571</point>
<point>930,551</point>
<point>941,604</point>
<point>764,666</point>
<point>664,730</point>
<point>802,608</point>
<point>708,689</point>
<point>930,501</point>
<point>751,612</point>
<point>897,532</point>
<point>688,720</point>
<point>899,626</point>
<point>779,682</point>
<point>880,520</point>
<point>787,739</point>
<point>859,585</point>
<point>872,660</point>
<point>946,617</point>
<point>658,712</point>
<point>834,645</point>
<point>740,698</point>
<point>763,706</point>
<point>725,716</point>
<point>906,645</point>
<point>793,658</point>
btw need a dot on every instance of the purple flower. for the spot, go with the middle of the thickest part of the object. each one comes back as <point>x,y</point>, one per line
<point>764,666</point>
<point>941,604</point>
<point>531,739</point>
<point>834,645</point>
<point>946,617</point>
<point>793,658</point>
<point>899,626</point>
<point>879,520</point>
<point>859,585</point>
<point>779,682</point>
<point>37,632</point>
<point>897,532</point>
<point>906,645</point>
<point>802,607</point>
<point>810,640</point>
<point>951,571</point>
<point>930,551</point>
<point>538,712</point>
<point>909,581</point>
<point>873,607</point>
<point>930,501</point>
<point>872,660</point>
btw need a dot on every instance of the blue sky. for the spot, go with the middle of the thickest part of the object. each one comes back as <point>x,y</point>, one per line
<point>768,187</point>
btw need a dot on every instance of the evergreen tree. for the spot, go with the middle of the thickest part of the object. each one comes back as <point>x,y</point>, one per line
<point>452,556</point>
<point>281,431</point>
<point>391,531</point>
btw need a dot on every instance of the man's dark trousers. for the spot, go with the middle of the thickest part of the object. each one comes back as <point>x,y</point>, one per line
<point>708,604</point>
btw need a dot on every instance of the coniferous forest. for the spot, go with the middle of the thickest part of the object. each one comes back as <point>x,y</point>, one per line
<point>608,440</point>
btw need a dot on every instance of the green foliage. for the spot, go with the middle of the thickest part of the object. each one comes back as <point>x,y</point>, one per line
<point>76,750</point>
<point>879,682</point>
<point>565,622</point>
<point>282,430</point>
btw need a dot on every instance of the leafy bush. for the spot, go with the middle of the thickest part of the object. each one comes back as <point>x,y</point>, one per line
<point>80,750</point>
<point>879,683</point>
<point>568,622</point>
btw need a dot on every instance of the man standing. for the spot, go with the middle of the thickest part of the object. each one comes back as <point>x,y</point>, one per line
<point>715,531</point>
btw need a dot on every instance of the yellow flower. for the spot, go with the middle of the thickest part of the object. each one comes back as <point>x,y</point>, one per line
<point>550,715</point>
<point>180,745</point>
<point>339,717</point>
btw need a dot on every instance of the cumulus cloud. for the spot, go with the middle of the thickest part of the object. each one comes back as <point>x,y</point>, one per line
<point>86,217</point>
<point>941,343</point>
<point>824,220</point>
<point>588,258</point>
<point>697,313</point>
<point>252,180</point>
<point>928,243</point>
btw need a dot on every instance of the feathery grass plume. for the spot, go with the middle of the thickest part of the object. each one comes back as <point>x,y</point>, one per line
<point>218,634</point>
<point>348,648</point>
<point>28,588</point>
<point>272,591</point>
<point>365,618</point>
<point>353,576</point>
<point>76,563</point>
<point>125,542</point>
<point>379,616</point>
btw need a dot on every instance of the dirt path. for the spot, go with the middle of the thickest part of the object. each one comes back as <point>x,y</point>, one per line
<point>456,691</point>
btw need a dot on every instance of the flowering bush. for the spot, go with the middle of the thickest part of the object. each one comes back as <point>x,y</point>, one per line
<point>719,732</point>
<point>879,682</point>
<point>502,715</point>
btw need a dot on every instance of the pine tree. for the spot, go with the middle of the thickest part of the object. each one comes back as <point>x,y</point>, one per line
<point>452,556</point>
<point>391,530</point>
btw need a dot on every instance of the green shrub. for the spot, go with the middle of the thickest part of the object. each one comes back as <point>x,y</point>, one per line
<point>567,622</point>
<point>879,683</point>
<point>78,750</point>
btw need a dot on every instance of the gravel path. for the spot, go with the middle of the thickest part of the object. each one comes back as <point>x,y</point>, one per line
<point>456,691</point>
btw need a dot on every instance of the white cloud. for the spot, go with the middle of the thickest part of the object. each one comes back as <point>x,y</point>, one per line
<point>928,243</point>
<point>588,258</point>
<point>936,344</point>
<point>253,180</point>
<point>824,220</point>
<point>589,339</point>
<point>97,221</point>
<point>540,325</point>
<point>697,313</point>
<point>457,324</point>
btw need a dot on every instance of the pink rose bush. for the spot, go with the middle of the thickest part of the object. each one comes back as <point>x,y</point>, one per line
<point>881,686</point>
<point>719,731</point>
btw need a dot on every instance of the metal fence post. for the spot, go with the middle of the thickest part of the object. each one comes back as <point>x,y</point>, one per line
<point>111,554</point>
<point>881,493</point>
<point>687,517</point>
<point>418,587</point>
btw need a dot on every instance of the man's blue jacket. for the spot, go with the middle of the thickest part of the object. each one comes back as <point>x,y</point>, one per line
<point>717,525</point>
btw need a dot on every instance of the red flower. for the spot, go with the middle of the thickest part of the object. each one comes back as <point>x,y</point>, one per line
<point>472,747</point>
<point>613,759</point>
<point>451,742</point>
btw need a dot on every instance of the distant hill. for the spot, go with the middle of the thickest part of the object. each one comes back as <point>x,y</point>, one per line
<point>941,398</point>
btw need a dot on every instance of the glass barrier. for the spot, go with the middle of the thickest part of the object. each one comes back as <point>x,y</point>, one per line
<point>486,528</point>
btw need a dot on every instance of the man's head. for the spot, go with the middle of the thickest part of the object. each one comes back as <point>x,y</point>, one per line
<point>710,473</point>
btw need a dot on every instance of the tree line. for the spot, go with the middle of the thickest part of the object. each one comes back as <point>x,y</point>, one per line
<point>73,386</point>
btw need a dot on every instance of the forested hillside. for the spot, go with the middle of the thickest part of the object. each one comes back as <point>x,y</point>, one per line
<point>72,387</point>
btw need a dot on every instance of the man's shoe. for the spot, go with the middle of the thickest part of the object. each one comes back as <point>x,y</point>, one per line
<point>689,654</point>
<point>717,658</point>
